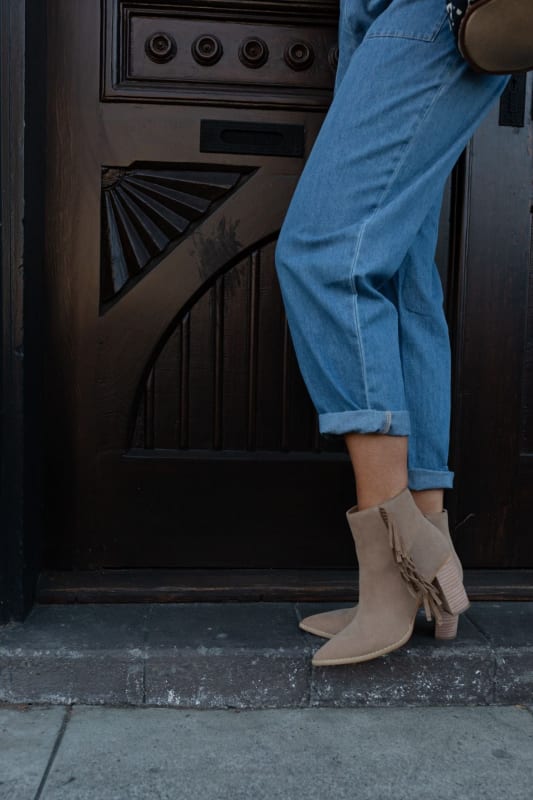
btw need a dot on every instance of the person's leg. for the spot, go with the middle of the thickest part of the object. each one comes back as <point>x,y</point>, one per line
<point>402,113</point>
<point>381,471</point>
<point>354,20</point>
<point>418,297</point>
<point>426,370</point>
<point>379,464</point>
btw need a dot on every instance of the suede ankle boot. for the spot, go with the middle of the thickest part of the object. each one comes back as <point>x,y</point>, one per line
<point>404,563</point>
<point>328,623</point>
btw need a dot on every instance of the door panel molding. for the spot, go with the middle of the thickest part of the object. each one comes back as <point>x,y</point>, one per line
<point>223,53</point>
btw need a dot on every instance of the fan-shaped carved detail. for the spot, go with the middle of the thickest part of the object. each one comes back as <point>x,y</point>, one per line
<point>146,212</point>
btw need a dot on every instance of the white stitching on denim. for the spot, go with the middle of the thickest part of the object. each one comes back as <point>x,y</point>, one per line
<point>388,422</point>
<point>343,18</point>
<point>401,160</point>
<point>414,35</point>
<point>359,338</point>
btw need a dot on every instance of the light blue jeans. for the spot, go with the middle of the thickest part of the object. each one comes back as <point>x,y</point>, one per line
<point>356,254</point>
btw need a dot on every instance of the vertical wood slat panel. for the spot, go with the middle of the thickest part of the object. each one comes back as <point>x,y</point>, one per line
<point>149,410</point>
<point>202,397</point>
<point>526,443</point>
<point>184,381</point>
<point>301,413</point>
<point>253,325</point>
<point>167,369</point>
<point>269,349</point>
<point>218,361</point>
<point>235,362</point>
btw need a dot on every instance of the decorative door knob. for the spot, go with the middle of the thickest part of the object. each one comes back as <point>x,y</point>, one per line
<point>333,57</point>
<point>160,47</point>
<point>299,55</point>
<point>253,52</point>
<point>207,49</point>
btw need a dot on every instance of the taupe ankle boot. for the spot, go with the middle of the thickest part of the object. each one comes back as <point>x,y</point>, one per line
<point>329,623</point>
<point>404,562</point>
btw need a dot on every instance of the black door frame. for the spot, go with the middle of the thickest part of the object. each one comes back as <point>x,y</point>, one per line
<point>22,172</point>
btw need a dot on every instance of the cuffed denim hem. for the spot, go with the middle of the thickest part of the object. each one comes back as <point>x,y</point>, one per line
<point>394,423</point>
<point>419,479</point>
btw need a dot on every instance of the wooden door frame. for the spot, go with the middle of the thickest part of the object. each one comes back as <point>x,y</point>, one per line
<point>22,181</point>
<point>22,172</point>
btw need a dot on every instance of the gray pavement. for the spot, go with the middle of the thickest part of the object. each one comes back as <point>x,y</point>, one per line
<point>124,753</point>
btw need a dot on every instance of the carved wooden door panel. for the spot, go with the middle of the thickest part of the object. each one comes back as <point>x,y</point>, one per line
<point>180,433</point>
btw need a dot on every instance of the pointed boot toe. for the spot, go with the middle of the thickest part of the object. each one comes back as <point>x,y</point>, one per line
<point>328,623</point>
<point>359,642</point>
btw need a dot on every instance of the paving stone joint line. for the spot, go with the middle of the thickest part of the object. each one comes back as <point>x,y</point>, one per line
<point>55,749</point>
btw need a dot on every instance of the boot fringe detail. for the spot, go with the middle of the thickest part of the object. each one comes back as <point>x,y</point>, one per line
<point>426,592</point>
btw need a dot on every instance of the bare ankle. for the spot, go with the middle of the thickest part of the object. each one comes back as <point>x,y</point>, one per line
<point>380,466</point>
<point>429,501</point>
<point>370,498</point>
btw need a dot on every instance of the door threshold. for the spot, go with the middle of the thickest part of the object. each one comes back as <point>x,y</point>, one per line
<point>199,585</point>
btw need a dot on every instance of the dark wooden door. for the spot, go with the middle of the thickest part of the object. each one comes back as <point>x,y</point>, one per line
<point>491,312</point>
<point>180,433</point>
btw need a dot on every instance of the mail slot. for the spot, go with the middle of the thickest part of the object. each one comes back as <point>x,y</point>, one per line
<point>252,138</point>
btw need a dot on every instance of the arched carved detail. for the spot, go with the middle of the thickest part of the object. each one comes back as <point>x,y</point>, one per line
<point>227,377</point>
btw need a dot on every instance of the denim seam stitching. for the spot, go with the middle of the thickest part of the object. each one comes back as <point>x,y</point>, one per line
<point>411,34</point>
<point>414,37</point>
<point>357,325</point>
<point>387,425</point>
<point>344,15</point>
<point>426,469</point>
<point>401,160</point>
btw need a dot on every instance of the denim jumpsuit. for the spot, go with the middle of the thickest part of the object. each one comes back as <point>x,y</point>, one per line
<point>356,254</point>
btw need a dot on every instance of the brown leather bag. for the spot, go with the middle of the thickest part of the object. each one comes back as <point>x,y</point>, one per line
<point>496,35</point>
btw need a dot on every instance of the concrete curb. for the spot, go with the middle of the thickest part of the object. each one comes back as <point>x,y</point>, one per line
<point>253,655</point>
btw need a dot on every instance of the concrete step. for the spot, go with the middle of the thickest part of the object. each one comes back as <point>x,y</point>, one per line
<point>254,655</point>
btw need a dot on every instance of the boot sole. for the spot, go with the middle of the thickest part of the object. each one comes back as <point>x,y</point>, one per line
<point>447,629</point>
<point>316,632</point>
